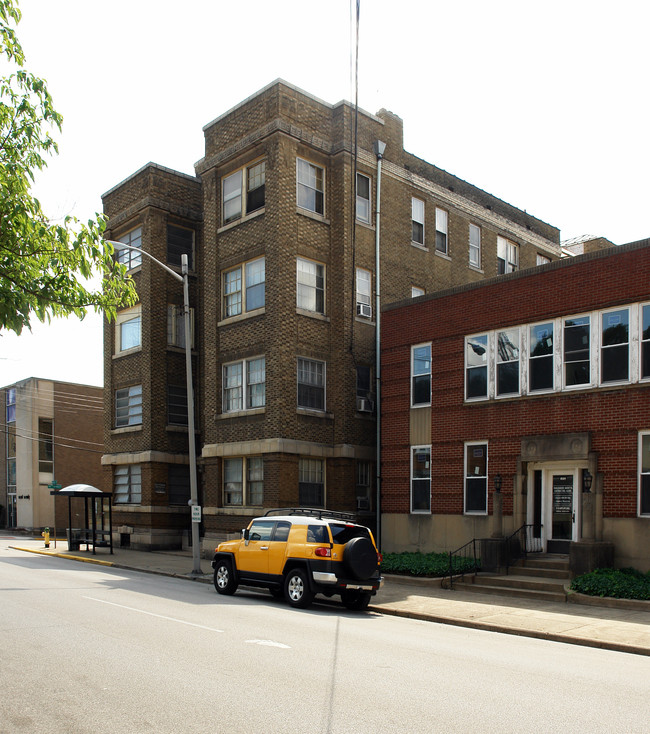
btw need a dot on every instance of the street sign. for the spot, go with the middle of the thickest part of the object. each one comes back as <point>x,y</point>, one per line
<point>54,485</point>
<point>196,513</point>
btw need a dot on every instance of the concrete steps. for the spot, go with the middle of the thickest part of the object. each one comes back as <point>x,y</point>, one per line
<point>536,577</point>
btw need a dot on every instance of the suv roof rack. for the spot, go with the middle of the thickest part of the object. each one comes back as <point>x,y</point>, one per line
<point>313,512</point>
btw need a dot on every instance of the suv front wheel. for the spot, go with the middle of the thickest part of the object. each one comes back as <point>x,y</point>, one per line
<point>296,589</point>
<point>224,578</point>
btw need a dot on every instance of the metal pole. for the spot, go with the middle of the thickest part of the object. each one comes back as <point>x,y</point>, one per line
<point>194,498</point>
<point>379,148</point>
<point>184,279</point>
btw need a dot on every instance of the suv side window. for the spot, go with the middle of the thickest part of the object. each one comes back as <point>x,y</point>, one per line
<point>317,534</point>
<point>343,533</point>
<point>282,531</point>
<point>261,530</point>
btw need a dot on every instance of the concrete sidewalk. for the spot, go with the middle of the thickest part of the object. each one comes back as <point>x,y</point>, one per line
<point>624,626</point>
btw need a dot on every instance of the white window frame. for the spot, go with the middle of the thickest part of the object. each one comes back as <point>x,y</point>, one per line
<point>320,383</point>
<point>424,448</point>
<point>130,472</point>
<point>251,474</point>
<point>363,203</point>
<point>643,471</point>
<point>499,361</point>
<point>610,347</point>
<point>310,192</point>
<point>532,359</point>
<point>238,385</point>
<point>310,468</point>
<point>236,299</point>
<point>239,184</point>
<point>415,374</point>
<point>308,275</point>
<point>364,292</point>
<point>128,316</point>
<point>508,254</point>
<point>475,246</point>
<point>417,218</point>
<point>131,258</point>
<point>644,341</point>
<point>590,330</point>
<point>486,364</point>
<point>417,292</point>
<point>442,231</point>
<point>129,413</point>
<point>468,446</point>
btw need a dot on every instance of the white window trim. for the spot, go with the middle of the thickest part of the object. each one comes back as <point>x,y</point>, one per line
<point>529,358</point>
<point>413,219</point>
<point>471,247</point>
<point>123,317</point>
<point>631,330</point>
<point>245,482</point>
<point>416,292</point>
<point>639,473</point>
<point>519,360</point>
<point>488,364</point>
<point>310,311</point>
<point>468,444</point>
<point>244,312</point>
<point>244,214</point>
<point>442,219</point>
<point>510,247</point>
<point>369,200</point>
<point>298,383</point>
<point>313,212</point>
<point>412,450</point>
<point>363,299</point>
<point>412,374</point>
<point>639,331</point>
<point>244,386</point>
<point>126,257</point>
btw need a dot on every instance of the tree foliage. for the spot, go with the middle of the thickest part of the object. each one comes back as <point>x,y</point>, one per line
<point>43,265</point>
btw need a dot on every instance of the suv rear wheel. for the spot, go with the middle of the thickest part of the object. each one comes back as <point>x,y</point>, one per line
<point>296,589</point>
<point>224,579</point>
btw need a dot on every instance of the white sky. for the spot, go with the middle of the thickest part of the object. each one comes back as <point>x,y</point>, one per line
<point>543,104</point>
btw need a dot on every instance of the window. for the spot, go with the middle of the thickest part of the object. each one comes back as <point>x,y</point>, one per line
<point>178,484</point>
<point>130,258</point>
<point>474,246</point>
<point>311,483</point>
<point>363,198</point>
<point>128,406</point>
<point>180,241</point>
<point>310,294</point>
<point>364,484</point>
<point>508,362</point>
<point>542,259</point>
<point>247,296</point>
<point>45,446</point>
<point>577,362</point>
<point>311,384</point>
<point>415,291</point>
<point>11,457</point>
<point>365,403</point>
<point>476,478</point>
<point>127,484</point>
<point>128,329</point>
<point>176,326</point>
<point>645,342</point>
<point>420,479</point>
<point>507,256</point>
<point>240,200</point>
<point>644,474</point>
<point>421,375</point>
<point>364,293</point>
<point>476,370</point>
<point>239,392</point>
<point>11,404</point>
<point>177,405</point>
<point>243,482</point>
<point>417,221</point>
<point>540,360</point>
<point>441,231</point>
<point>614,348</point>
<point>310,186</point>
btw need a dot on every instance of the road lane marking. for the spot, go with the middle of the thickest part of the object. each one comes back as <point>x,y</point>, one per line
<point>269,643</point>
<point>153,614</point>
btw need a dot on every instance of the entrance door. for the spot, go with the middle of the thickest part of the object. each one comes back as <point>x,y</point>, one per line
<point>562,512</point>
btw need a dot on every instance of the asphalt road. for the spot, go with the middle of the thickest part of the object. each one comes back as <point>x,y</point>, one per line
<point>93,649</point>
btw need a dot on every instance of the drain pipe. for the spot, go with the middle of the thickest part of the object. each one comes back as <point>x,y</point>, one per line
<point>379,147</point>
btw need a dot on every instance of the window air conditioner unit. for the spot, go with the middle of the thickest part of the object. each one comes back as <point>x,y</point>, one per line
<point>365,310</point>
<point>365,405</point>
<point>363,503</point>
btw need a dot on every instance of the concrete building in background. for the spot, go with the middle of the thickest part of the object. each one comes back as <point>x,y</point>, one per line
<point>51,431</point>
<point>280,227</point>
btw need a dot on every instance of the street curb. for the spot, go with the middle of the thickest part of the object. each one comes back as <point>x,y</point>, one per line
<point>96,561</point>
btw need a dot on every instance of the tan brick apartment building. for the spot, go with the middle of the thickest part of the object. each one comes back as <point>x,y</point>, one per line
<point>536,393</point>
<point>51,430</point>
<point>280,226</point>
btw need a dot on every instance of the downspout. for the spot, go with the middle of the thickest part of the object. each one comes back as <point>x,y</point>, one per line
<point>379,147</point>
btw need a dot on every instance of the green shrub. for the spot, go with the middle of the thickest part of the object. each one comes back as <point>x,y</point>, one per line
<point>423,564</point>
<point>620,583</point>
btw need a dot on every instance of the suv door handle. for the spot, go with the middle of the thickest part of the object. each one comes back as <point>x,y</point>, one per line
<point>264,547</point>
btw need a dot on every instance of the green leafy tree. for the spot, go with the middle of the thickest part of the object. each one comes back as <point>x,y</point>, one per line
<point>45,267</point>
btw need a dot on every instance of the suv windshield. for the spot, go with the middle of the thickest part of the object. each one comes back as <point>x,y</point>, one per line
<point>343,533</point>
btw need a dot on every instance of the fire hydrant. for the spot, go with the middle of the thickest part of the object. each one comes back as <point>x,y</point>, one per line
<point>46,537</point>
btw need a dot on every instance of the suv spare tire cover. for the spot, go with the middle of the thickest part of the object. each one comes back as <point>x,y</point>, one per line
<point>360,557</point>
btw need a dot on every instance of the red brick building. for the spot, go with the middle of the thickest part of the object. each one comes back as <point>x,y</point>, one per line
<point>537,382</point>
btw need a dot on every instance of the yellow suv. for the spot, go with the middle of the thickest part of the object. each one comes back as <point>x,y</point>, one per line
<point>298,553</point>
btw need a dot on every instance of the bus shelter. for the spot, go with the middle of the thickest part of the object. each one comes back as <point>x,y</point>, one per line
<point>97,525</point>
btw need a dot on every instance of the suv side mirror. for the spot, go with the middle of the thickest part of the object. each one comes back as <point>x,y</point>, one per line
<point>244,533</point>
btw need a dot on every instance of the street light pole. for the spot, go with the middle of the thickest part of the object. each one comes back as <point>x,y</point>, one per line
<point>194,495</point>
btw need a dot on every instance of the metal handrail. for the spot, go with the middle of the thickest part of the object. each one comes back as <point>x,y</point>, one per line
<point>471,563</point>
<point>520,544</point>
